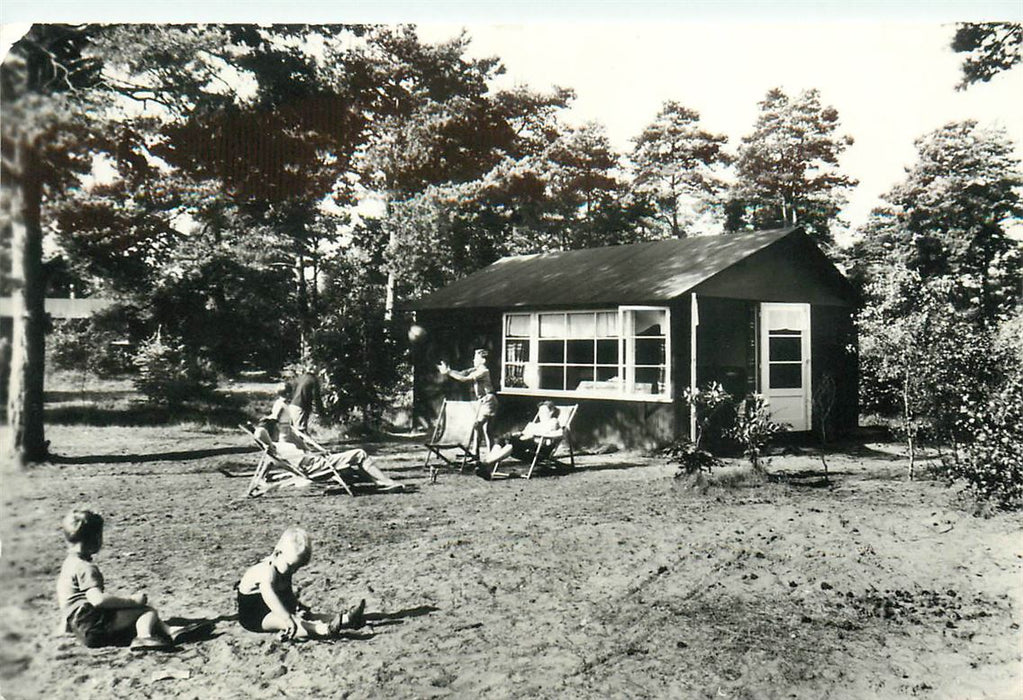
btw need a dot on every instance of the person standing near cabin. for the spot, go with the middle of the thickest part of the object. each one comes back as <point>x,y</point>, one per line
<point>305,398</point>
<point>483,389</point>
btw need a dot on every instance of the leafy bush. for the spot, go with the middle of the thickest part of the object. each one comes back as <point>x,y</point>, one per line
<point>358,351</point>
<point>78,344</point>
<point>690,456</point>
<point>168,374</point>
<point>709,403</point>
<point>991,464</point>
<point>922,358</point>
<point>753,428</point>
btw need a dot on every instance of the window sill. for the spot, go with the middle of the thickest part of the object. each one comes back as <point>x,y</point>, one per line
<point>557,394</point>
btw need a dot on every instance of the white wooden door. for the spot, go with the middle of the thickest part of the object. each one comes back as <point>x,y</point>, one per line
<point>785,363</point>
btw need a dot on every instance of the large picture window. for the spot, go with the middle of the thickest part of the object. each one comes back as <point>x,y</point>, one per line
<point>614,353</point>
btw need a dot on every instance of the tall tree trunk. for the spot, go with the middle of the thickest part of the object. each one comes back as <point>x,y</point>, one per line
<point>907,419</point>
<point>314,286</point>
<point>28,347</point>
<point>392,275</point>
<point>303,306</point>
<point>392,283</point>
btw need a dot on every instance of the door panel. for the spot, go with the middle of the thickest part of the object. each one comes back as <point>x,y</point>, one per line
<point>785,363</point>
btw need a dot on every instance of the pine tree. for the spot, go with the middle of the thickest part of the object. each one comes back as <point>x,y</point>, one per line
<point>952,215</point>
<point>677,164</point>
<point>990,48</point>
<point>787,169</point>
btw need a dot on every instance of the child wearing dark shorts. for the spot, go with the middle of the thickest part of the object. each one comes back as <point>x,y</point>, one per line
<point>252,609</point>
<point>99,618</point>
<point>267,601</point>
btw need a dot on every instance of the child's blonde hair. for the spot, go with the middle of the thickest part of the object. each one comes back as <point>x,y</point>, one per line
<point>295,545</point>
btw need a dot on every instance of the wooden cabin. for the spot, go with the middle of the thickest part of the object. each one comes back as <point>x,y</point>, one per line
<point>624,330</point>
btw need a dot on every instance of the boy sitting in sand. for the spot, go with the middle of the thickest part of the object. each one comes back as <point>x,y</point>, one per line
<point>99,618</point>
<point>267,601</point>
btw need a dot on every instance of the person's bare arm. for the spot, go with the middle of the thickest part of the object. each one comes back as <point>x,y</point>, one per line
<point>99,598</point>
<point>467,375</point>
<point>273,601</point>
<point>535,430</point>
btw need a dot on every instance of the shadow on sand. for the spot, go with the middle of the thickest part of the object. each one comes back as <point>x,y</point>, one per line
<point>381,619</point>
<point>806,478</point>
<point>144,415</point>
<point>176,456</point>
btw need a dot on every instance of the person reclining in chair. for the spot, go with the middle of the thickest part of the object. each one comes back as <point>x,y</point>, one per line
<point>522,445</point>
<point>305,462</point>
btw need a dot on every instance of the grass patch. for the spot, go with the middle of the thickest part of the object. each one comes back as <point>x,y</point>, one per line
<point>737,478</point>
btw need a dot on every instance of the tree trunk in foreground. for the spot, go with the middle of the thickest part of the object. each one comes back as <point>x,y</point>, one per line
<point>28,348</point>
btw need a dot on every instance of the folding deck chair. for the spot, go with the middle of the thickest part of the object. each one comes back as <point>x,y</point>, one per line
<point>455,429</point>
<point>273,471</point>
<point>308,441</point>
<point>546,447</point>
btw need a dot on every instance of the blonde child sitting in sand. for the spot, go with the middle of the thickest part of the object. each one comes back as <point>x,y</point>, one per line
<point>267,601</point>
<point>99,618</point>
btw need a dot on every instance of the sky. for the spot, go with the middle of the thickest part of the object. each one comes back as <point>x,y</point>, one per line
<point>891,82</point>
<point>886,67</point>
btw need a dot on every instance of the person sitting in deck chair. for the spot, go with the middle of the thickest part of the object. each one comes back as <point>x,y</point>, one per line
<point>522,445</point>
<point>296,453</point>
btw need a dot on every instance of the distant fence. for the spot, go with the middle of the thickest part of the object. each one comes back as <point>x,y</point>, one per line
<point>63,308</point>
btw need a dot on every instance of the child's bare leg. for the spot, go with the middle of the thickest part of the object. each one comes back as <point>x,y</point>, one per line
<point>147,623</point>
<point>142,619</point>
<point>310,627</point>
<point>484,428</point>
<point>353,617</point>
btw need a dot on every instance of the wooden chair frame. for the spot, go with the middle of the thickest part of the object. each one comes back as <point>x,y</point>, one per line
<point>454,429</point>
<point>276,472</point>
<point>546,447</point>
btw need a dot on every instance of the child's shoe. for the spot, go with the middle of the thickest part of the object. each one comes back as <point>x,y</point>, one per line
<point>356,616</point>
<point>192,632</point>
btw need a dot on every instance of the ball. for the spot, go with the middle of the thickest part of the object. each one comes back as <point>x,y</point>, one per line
<point>416,333</point>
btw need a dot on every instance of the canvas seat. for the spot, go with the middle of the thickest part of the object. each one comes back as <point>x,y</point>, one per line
<point>273,471</point>
<point>546,448</point>
<point>454,430</point>
<point>306,439</point>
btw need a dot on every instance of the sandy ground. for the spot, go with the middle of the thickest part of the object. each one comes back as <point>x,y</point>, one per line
<point>612,581</point>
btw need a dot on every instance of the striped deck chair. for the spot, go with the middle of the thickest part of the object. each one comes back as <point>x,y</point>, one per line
<point>323,469</point>
<point>454,430</point>
<point>546,447</point>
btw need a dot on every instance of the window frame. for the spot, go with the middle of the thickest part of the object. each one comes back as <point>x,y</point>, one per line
<point>627,367</point>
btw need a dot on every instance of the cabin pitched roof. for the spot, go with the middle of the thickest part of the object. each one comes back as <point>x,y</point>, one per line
<point>653,271</point>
